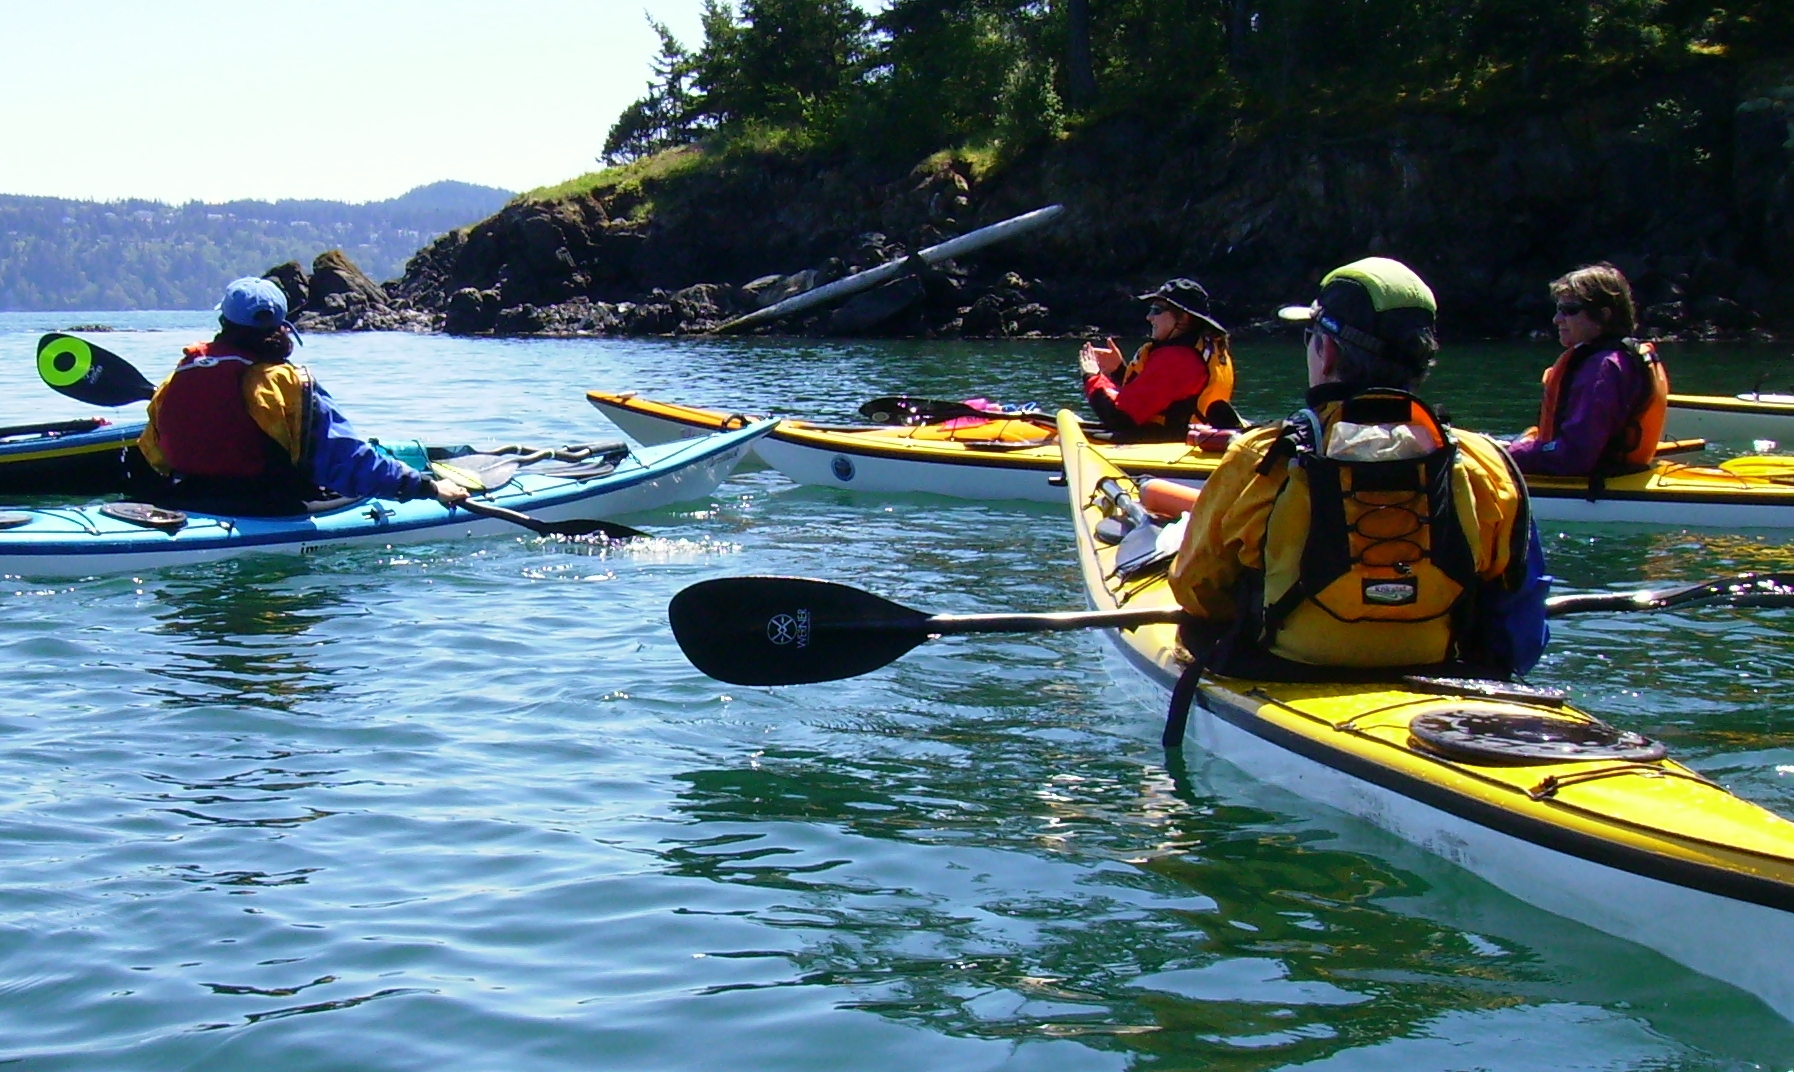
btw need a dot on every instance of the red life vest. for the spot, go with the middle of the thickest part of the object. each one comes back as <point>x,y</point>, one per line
<point>1635,444</point>
<point>203,425</point>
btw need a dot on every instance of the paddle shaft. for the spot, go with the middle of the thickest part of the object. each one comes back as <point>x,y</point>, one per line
<point>1767,590</point>
<point>796,630</point>
<point>954,624</point>
<point>577,527</point>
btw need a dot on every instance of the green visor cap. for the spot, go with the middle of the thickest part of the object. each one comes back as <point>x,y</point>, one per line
<point>1376,286</point>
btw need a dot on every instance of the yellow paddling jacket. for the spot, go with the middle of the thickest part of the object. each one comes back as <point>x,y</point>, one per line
<point>1358,533</point>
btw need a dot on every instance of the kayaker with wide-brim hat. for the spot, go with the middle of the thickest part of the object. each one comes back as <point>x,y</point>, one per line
<point>1606,397</point>
<point>238,428</point>
<point>1360,532</point>
<point>1183,375</point>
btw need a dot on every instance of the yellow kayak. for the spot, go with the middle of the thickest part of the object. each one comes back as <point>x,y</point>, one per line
<point>1018,458</point>
<point>1621,838</point>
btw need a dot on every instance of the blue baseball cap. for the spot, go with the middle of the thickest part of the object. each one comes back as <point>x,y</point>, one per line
<point>254,302</point>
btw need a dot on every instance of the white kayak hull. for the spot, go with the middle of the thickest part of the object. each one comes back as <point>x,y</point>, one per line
<point>973,477</point>
<point>1737,422</point>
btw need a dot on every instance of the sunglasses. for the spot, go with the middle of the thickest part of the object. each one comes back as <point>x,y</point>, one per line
<point>1571,308</point>
<point>1158,310</point>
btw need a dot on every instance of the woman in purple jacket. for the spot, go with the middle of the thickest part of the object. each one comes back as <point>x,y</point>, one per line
<point>1607,396</point>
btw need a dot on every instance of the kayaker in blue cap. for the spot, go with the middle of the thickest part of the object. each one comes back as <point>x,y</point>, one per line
<point>238,428</point>
<point>1360,532</point>
<point>1183,375</point>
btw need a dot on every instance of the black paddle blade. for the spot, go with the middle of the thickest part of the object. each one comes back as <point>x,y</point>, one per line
<point>901,409</point>
<point>89,373</point>
<point>789,630</point>
<point>585,526</point>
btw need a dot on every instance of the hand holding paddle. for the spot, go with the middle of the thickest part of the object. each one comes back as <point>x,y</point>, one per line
<point>486,472</point>
<point>795,631</point>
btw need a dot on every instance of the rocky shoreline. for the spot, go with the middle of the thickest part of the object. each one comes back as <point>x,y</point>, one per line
<point>1488,210</point>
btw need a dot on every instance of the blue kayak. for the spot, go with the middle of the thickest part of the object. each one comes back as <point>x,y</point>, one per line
<point>101,538</point>
<point>84,456</point>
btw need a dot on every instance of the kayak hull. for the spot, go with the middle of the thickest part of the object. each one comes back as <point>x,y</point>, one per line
<point>895,461</point>
<point>1738,420</point>
<point>874,460</point>
<point>79,541</point>
<point>57,459</point>
<point>1639,850</point>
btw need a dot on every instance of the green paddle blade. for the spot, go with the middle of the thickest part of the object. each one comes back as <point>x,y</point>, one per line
<point>89,373</point>
<point>789,630</point>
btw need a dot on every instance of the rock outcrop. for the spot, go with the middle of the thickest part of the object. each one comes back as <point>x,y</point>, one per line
<point>338,296</point>
<point>1488,208</point>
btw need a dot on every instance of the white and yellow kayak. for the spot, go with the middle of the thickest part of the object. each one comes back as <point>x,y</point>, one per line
<point>1006,458</point>
<point>1019,458</point>
<point>1641,847</point>
<point>1733,419</point>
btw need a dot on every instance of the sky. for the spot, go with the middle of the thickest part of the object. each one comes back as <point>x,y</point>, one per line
<point>184,100</point>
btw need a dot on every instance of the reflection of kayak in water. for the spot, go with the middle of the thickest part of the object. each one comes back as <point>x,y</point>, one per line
<point>115,537</point>
<point>1019,458</point>
<point>85,456</point>
<point>1545,802</point>
<point>1736,419</point>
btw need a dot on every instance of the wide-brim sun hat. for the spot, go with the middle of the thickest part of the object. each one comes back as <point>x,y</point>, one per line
<point>1185,295</point>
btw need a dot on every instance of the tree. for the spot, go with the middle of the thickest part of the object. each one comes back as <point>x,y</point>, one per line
<point>668,115</point>
<point>781,59</point>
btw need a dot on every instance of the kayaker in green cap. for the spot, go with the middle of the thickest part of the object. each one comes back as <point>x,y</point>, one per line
<point>1360,532</point>
<point>237,428</point>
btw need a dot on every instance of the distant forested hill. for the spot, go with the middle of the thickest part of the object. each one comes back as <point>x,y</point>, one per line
<point>62,254</point>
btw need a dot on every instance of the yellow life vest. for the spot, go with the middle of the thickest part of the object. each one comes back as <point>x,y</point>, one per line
<point>1366,560</point>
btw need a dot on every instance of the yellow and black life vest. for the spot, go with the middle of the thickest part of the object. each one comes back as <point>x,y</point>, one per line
<point>1366,561</point>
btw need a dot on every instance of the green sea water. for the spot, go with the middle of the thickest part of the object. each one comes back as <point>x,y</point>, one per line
<point>465,806</point>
